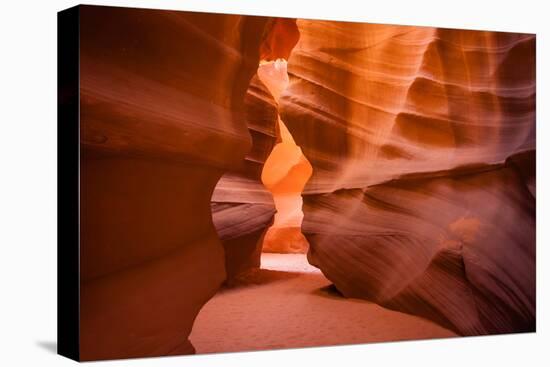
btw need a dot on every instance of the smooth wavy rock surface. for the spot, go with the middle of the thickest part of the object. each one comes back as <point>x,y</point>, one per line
<point>369,103</point>
<point>422,145</point>
<point>285,173</point>
<point>242,208</point>
<point>457,249</point>
<point>163,117</point>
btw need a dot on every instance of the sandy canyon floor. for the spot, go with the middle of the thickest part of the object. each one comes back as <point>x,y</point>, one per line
<point>290,304</point>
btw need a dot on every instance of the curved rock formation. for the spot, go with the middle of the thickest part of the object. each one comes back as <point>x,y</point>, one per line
<point>427,246</point>
<point>162,119</point>
<point>285,173</point>
<point>393,100</point>
<point>242,208</point>
<point>282,36</point>
<point>422,144</point>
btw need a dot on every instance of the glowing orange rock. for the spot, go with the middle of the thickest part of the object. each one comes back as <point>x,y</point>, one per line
<point>285,173</point>
<point>422,142</point>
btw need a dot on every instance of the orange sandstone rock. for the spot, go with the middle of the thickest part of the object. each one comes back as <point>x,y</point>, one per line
<point>422,144</point>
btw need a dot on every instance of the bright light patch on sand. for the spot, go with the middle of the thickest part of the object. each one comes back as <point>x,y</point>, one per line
<point>295,263</point>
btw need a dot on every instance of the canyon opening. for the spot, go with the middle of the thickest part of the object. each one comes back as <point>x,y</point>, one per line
<point>285,173</point>
<point>252,183</point>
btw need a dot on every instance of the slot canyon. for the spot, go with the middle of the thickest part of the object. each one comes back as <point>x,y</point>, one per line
<point>252,183</point>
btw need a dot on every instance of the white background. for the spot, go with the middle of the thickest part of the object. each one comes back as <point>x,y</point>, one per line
<point>28,183</point>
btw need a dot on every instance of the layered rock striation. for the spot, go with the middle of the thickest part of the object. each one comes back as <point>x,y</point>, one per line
<point>243,205</point>
<point>165,108</point>
<point>284,174</point>
<point>242,208</point>
<point>422,142</point>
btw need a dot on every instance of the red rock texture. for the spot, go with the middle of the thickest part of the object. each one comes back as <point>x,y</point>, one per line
<point>285,173</point>
<point>282,36</point>
<point>164,103</point>
<point>422,144</point>
<point>425,246</point>
<point>242,208</point>
<point>368,103</point>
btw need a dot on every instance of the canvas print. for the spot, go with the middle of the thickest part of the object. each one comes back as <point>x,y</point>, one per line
<point>251,183</point>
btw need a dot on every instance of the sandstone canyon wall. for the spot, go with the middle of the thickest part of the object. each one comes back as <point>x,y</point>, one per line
<point>242,208</point>
<point>284,174</point>
<point>422,143</point>
<point>166,110</point>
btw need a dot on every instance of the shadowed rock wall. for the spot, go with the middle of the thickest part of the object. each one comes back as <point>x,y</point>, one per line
<point>165,106</point>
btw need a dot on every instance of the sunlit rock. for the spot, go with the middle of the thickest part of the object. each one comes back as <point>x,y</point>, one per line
<point>422,145</point>
<point>284,174</point>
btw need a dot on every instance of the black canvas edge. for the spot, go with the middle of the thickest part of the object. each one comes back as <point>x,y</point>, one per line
<point>68,183</point>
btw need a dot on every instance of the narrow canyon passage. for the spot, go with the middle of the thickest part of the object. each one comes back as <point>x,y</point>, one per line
<point>285,173</point>
<point>288,303</point>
